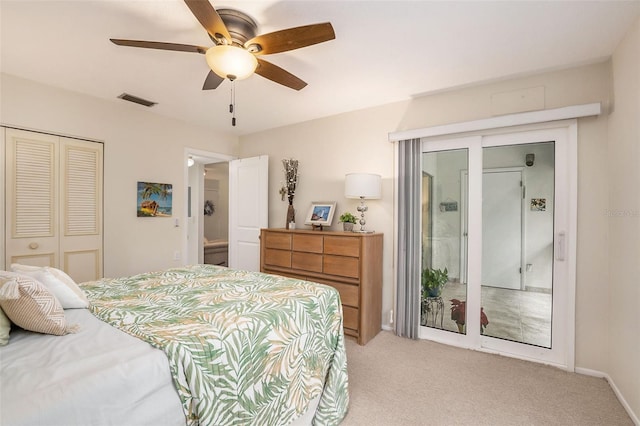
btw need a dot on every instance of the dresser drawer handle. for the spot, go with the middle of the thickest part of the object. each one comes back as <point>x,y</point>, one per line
<point>33,246</point>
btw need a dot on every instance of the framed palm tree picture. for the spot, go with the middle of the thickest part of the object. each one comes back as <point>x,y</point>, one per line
<point>154,199</point>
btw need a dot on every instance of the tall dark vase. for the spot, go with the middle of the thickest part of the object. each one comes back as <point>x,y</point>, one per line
<point>291,215</point>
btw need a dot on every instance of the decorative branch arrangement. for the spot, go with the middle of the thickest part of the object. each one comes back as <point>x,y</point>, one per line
<point>291,177</point>
<point>291,181</point>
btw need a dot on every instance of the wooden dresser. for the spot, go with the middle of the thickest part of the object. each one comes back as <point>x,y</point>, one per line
<point>348,261</point>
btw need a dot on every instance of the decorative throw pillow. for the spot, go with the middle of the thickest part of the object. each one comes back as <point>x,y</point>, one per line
<point>5,328</point>
<point>57,282</point>
<point>29,305</point>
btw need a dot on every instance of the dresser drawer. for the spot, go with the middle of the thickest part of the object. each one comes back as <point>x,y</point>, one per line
<point>274,257</point>
<point>342,266</point>
<point>307,243</point>
<point>348,293</point>
<point>344,246</point>
<point>306,261</point>
<point>276,240</point>
<point>350,317</point>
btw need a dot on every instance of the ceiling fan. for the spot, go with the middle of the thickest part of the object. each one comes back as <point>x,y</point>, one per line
<point>237,49</point>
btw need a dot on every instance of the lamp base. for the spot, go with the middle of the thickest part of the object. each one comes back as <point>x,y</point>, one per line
<point>360,231</point>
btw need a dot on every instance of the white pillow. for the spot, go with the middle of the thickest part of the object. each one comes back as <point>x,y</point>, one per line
<point>57,282</point>
<point>5,328</point>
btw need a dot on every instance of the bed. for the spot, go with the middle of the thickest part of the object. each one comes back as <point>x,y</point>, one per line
<point>200,344</point>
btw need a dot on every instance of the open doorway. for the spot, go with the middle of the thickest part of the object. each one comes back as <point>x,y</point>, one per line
<point>207,207</point>
<point>248,207</point>
<point>216,213</point>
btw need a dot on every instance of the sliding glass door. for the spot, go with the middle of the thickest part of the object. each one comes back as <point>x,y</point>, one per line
<point>495,274</point>
<point>441,242</point>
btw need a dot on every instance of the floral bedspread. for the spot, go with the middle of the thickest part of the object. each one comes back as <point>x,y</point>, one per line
<point>244,348</point>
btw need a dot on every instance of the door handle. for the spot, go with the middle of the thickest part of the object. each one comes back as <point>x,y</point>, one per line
<point>33,246</point>
<point>561,246</point>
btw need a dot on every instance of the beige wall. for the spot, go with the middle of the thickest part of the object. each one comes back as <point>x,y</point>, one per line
<point>138,146</point>
<point>357,141</point>
<point>327,149</point>
<point>624,221</point>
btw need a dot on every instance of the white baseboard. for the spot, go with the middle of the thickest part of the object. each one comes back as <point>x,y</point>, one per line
<point>616,391</point>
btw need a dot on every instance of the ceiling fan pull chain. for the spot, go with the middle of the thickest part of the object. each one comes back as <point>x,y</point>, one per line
<point>232,105</point>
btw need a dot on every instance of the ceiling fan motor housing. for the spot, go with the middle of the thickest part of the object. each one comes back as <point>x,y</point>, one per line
<point>240,26</point>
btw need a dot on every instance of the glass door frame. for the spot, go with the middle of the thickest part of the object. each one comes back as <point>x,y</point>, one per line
<point>564,134</point>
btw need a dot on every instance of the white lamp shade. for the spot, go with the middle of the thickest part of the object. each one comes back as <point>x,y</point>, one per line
<point>231,62</point>
<point>366,185</point>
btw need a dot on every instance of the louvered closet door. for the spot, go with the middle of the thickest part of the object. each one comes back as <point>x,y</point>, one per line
<point>81,209</point>
<point>53,203</point>
<point>31,199</point>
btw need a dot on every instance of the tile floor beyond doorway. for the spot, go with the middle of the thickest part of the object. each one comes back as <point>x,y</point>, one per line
<point>522,316</point>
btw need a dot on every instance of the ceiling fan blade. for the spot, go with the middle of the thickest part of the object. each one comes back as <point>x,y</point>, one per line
<point>292,38</point>
<point>209,19</point>
<point>160,45</point>
<point>277,74</point>
<point>212,81</point>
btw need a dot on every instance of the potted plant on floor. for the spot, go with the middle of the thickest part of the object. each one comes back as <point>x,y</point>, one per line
<point>458,314</point>
<point>432,281</point>
<point>348,220</point>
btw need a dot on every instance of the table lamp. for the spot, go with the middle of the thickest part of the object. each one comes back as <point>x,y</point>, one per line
<point>363,186</point>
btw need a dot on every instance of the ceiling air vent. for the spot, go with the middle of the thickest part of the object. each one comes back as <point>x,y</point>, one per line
<point>137,100</point>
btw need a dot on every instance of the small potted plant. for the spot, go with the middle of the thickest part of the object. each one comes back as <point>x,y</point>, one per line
<point>432,282</point>
<point>348,220</point>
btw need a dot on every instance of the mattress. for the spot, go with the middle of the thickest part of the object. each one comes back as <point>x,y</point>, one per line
<point>98,376</point>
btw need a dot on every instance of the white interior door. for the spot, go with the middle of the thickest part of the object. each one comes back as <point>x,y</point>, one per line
<point>32,235</point>
<point>248,210</point>
<point>81,209</point>
<point>54,203</point>
<point>502,229</point>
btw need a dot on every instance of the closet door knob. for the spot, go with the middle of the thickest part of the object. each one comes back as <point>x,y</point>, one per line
<point>33,246</point>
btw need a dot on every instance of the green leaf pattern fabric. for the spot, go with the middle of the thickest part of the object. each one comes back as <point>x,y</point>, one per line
<point>244,348</point>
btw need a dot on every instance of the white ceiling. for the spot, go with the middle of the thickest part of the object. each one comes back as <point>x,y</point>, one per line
<point>384,51</point>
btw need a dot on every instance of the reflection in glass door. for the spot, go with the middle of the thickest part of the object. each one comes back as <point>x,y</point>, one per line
<point>441,246</point>
<point>517,242</point>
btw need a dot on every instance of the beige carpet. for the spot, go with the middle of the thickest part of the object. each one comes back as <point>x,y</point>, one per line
<point>396,381</point>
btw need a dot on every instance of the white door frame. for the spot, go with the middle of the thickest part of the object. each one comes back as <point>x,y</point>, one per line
<point>562,352</point>
<point>201,157</point>
<point>2,222</point>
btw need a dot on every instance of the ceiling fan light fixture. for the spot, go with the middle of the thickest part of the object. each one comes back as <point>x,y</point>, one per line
<point>232,62</point>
